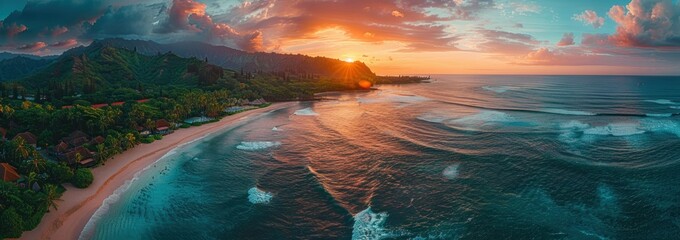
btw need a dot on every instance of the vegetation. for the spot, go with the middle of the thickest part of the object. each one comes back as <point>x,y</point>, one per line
<point>400,79</point>
<point>82,178</point>
<point>99,101</point>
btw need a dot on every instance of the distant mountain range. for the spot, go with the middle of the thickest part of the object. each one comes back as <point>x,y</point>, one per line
<point>17,66</point>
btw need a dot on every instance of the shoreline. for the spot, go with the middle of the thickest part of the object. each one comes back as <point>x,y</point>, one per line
<point>78,205</point>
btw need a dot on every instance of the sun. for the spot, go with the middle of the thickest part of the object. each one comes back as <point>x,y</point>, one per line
<point>349,60</point>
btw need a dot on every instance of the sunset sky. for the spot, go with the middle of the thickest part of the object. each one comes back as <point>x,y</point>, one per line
<point>391,36</point>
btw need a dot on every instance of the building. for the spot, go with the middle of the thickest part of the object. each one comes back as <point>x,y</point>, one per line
<point>8,173</point>
<point>86,157</point>
<point>29,138</point>
<point>163,127</point>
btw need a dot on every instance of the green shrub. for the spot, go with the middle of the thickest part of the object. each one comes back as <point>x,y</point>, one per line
<point>185,125</point>
<point>59,172</point>
<point>147,140</point>
<point>158,136</point>
<point>11,224</point>
<point>196,124</point>
<point>82,178</point>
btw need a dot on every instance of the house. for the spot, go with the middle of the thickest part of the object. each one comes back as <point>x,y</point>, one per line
<point>76,139</point>
<point>257,102</point>
<point>163,127</point>
<point>86,157</point>
<point>8,173</point>
<point>97,140</point>
<point>28,137</point>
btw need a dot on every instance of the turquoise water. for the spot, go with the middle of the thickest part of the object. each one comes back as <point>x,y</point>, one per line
<point>464,157</point>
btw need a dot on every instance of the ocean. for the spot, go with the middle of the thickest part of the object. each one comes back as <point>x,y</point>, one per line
<point>462,157</point>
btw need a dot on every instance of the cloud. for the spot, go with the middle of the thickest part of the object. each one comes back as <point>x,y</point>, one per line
<point>589,17</point>
<point>14,29</point>
<point>524,8</point>
<point>397,13</point>
<point>646,23</point>
<point>33,47</point>
<point>567,40</point>
<point>65,44</point>
<point>506,43</point>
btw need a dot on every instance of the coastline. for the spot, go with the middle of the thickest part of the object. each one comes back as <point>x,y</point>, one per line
<point>78,205</point>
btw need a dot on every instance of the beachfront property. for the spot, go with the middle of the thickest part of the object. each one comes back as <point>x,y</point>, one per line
<point>8,173</point>
<point>29,138</point>
<point>163,127</point>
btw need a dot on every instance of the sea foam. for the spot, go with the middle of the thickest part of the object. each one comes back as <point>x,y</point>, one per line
<point>306,112</point>
<point>659,114</point>
<point>254,146</point>
<point>567,112</point>
<point>662,101</point>
<point>369,225</point>
<point>616,129</point>
<point>451,172</point>
<point>483,118</point>
<point>257,196</point>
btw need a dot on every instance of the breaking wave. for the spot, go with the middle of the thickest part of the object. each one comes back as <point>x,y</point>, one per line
<point>257,196</point>
<point>253,146</point>
<point>306,112</point>
<point>369,225</point>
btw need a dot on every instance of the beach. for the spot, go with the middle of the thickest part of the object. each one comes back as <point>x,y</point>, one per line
<point>77,205</point>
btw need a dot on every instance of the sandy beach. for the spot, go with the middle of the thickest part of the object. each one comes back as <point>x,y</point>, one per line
<point>78,205</point>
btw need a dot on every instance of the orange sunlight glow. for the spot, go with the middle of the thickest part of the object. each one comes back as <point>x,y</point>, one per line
<point>349,60</point>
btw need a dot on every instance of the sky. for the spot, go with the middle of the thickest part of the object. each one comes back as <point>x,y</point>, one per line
<point>598,37</point>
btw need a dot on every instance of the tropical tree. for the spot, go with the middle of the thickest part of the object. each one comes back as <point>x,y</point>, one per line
<point>21,147</point>
<point>37,162</point>
<point>30,178</point>
<point>51,196</point>
<point>130,140</point>
<point>101,153</point>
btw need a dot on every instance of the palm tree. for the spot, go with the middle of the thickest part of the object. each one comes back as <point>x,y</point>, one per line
<point>51,196</point>
<point>21,148</point>
<point>79,157</point>
<point>101,155</point>
<point>31,178</point>
<point>38,162</point>
<point>130,140</point>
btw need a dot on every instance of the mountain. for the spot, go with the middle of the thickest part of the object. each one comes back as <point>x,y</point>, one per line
<point>237,60</point>
<point>99,66</point>
<point>6,55</point>
<point>20,66</point>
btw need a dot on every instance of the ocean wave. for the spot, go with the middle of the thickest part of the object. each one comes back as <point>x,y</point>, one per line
<point>253,146</point>
<point>567,112</point>
<point>574,125</point>
<point>675,107</point>
<point>499,89</point>
<point>369,225</point>
<point>662,101</point>
<point>257,196</point>
<point>431,118</point>
<point>659,114</point>
<point>306,112</point>
<point>615,129</point>
<point>389,97</point>
<point>451,172</point>
<point>483,118</point>
<point>276,129</point>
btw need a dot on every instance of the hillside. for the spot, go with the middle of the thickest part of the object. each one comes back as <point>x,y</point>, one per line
<point>101,67</point>
<point>21,66</point>
<point>250,62</point>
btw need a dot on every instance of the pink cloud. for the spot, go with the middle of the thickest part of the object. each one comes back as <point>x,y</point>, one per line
<point>590,17</point>
<point>14,29</point>
<point>567,40</point>
<point>65,44</point>
<point>33,47</point>
<point>646,23</point>
<point>397,13</point>
<point>59,31</point>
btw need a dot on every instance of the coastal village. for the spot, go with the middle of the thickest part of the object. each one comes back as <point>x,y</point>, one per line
<point>78,148</point>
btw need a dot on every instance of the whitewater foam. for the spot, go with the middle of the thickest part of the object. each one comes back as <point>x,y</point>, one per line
<point>659,114</point>
<point>567,112</point>
<point>306,112</point>
<point>662,101</point>
<point>574,125</point>
<point>257,196</point>
<point>616,129</point>
<point>451,172</point>
<point>369,225</point>
<point>484,118</point>
<point>276,129</point>
<point>258,145</point>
